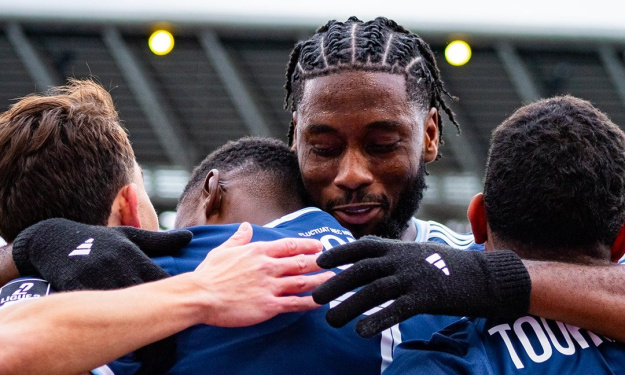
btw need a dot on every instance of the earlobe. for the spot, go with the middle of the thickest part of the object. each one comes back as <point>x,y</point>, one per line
<point>430,136</point>
<point>124,210</point>
<point>212,193</point>
<point>476,214</point>
<point>618,247</point>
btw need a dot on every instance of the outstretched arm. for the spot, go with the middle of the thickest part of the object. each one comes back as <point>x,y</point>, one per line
<point>591,297</point>
<point>238,284</point>
<point>475,284</point>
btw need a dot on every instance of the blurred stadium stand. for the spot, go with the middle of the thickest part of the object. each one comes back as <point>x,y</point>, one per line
<point>224,82</point>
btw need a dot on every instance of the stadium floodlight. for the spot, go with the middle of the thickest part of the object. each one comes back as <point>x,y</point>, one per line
<point>458,53</point>
<point>161,42</point>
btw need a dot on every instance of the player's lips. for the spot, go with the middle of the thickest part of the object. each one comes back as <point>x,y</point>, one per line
<point>357,213</point>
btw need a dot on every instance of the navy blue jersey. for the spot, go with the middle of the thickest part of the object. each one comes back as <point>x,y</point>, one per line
<point>293,343</point>
<point>527,345</point>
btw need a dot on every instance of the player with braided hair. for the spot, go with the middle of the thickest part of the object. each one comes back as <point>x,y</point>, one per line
<point>365,98</point>
<point>380,45</point>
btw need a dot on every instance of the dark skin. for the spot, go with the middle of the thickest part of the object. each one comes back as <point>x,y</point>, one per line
<point>358,140</point>
<point>586,296</point>
<point>8,271</point>
<point>225,197</point>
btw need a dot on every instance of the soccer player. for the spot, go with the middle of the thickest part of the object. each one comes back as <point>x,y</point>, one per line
<point>66,155</point>
<point>554,190</point>
<point>366,99</point>
<point>258,180</point>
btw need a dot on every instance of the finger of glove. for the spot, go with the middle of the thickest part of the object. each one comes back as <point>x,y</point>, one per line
<point>395,313</point>
<point>359,274</point>
<point>351,253</point>
<point>157,243</point>
<point>371,296</point>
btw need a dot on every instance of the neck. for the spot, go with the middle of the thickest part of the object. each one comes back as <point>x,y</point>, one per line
<point>590,255</point>
<point>410,233</point>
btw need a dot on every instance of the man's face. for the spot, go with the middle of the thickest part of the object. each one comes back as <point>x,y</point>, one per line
<point>360,146</point>
<point>145,209</point>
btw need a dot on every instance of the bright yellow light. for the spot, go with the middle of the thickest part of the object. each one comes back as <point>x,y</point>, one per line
<point>458,53</point>
<point>161,42</point>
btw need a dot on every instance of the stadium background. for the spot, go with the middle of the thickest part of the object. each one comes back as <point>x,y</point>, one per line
<point>225,76</point>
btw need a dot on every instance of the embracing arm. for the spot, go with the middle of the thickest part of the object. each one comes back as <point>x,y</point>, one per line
<point>74,332</point>
<point>591,297</point>
<point>8,271</point>
<point>238,284</point>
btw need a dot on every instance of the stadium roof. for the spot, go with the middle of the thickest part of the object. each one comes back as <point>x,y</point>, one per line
<point>600,19</point>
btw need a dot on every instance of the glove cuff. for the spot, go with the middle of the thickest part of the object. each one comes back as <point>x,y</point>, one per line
<point>21,255</point>
<point>511,283</point>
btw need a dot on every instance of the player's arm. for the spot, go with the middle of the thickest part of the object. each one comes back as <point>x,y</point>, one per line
<point>238,284</point>
<point>8,271</point>
<point>591,297</point>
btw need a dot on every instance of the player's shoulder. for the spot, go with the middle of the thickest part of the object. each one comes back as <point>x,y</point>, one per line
<point>304,214</point>
<point>433,231</point>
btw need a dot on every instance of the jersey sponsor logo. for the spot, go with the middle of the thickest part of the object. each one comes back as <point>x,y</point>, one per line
<point>436,260</point>
<point>82,249</point>
<point>325,229</point>
<point>23,289</point>
<point>546,339</point>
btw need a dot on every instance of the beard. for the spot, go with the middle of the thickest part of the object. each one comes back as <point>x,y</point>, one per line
<point>398,219</point>
<point>408,203</point>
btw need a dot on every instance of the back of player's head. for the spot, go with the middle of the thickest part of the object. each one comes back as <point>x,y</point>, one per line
<point>555,177</point>
<point>267,165</point>
<point>380,45</point>
<point>63,154</point>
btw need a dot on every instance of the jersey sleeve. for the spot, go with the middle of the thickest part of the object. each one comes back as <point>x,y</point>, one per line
<point>456,349</point>
<point>23,289</point>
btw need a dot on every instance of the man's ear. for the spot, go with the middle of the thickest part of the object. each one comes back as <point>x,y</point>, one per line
<point>618,247</point>
<point>430,136</point>
<point>211,193</point>
<point>124,209</point>
<point>294,123</point>
<point>477,217</point>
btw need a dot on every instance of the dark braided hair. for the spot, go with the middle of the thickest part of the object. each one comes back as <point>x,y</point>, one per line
<point>380,45</point>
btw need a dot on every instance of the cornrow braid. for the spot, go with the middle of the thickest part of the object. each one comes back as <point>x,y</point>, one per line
<point>380,45</point>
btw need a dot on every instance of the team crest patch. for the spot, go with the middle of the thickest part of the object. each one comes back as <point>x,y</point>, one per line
<point>23,289</point>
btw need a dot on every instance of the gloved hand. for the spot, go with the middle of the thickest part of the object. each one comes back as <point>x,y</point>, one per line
<point>422,278</point>
<point>75,256</point>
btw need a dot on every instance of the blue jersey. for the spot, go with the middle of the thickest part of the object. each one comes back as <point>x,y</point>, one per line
<point>293,343</point>
<point>527,345</point>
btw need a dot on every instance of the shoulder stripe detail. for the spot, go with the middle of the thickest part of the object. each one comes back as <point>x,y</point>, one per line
<point>450,234</point>
<point>291,216</point>
<point>448,241</point>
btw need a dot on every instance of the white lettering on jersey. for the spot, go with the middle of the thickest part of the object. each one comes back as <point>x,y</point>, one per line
<point>547,341</point>
<point>25,287</point>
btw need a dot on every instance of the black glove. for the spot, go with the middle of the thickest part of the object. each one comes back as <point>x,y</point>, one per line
<point>422,278</point>
<point>74,256</point>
